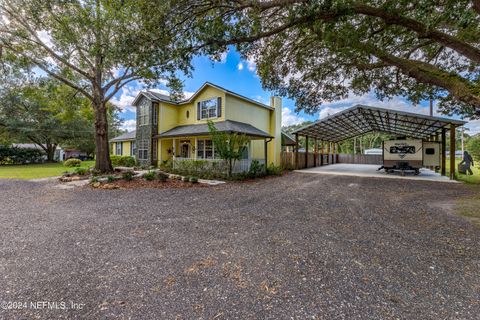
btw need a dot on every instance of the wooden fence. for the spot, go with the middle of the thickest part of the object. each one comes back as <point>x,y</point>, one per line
<point>288,159</point>
<point>361,158</point>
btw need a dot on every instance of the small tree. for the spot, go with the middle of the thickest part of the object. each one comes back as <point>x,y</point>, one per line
<point>229,146</point>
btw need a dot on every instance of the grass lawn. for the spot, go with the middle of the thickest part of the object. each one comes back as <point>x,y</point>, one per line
<point>35,171</point>
<point>475,179</point>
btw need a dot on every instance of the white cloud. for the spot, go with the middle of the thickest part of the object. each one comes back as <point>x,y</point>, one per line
<point>328,111</point>
<point>129,125</point>
<point>240,66</point>
<point>473,126</point>
<point>124,101</point>
<point>289,117</point>
<point>251,65</point>
<point>223,57</point>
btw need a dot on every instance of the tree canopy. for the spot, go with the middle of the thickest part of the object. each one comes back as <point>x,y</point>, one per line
<point>96,47</point>
<point>318,51</point>
<point>45,112</point>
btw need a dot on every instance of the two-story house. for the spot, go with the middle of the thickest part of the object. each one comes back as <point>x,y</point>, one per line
<point>176,130</point>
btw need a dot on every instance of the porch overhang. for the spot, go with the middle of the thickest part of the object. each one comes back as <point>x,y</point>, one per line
<point>227,126</point>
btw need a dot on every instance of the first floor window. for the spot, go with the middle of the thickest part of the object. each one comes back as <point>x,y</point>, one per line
<point>143,149</point>
<point>205,150</point>
<point>133,149</point>
<point>118,148</point>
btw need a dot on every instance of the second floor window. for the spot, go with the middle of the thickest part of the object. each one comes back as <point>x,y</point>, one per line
<point>143,112</point>
<point>208,109</point>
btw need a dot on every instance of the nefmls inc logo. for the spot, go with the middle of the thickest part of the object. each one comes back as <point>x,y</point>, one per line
<point>52,305</point>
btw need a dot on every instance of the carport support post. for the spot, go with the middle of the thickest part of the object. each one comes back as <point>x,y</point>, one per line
<point>306,151</point>
<point>321,153</point>
<point>296,151</point>
<point>315,152</point>
<point>452,152</point>
<point>444,153</point>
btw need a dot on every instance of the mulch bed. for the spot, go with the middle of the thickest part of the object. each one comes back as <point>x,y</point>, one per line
<point>157,184</point>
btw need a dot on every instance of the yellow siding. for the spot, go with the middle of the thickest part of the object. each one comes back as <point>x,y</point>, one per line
<point>126,148</point>
<point>262,118</point>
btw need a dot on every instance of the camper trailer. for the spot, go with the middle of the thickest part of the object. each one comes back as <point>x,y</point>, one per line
<point>410,155</point>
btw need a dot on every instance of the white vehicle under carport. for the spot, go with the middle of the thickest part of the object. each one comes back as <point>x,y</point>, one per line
<point>410,155</point>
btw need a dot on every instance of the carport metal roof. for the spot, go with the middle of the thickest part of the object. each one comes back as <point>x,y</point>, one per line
<point>361,119</point>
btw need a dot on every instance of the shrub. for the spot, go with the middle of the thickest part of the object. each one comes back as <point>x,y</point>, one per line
<point>94,179</point>
<point>73,163</point>
<point>122,161</point>
<point>80,171</point>
<point>193,179</point>
<point>110,179</point>
<point>256,169</point>
<point>166,165</point>
<point>12,155</point>
<point>149,176</point>
<point>273,170</point>
<point>127,175</point>
<point>162,176</point>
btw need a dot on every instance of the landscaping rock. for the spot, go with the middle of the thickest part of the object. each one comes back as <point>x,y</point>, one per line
<point>124,169</point>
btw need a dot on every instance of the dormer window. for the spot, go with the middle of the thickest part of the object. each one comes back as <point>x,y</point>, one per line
<point>209,109</point>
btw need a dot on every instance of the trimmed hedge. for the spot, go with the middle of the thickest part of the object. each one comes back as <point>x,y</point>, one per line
<point>122,161</point>
<point>11,155</point>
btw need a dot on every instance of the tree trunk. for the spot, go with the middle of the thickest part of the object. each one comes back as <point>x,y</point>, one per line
<point>102,150</point>
<point>51,152</point>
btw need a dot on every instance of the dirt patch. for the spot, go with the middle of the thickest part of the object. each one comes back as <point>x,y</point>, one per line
<point>157,184</point>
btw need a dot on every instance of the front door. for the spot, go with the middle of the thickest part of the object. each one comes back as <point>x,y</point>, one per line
<point>185,150</point>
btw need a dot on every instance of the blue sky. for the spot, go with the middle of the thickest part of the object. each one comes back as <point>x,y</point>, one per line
<point>238,75</point>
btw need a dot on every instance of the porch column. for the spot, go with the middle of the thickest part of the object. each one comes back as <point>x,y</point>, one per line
<point>296,151</point>
<point>174,148</point>
<point>306,151</point>
<point>443,152</point>
<point>452,152</point>
<point>315,156</point>
<point>321,153</point>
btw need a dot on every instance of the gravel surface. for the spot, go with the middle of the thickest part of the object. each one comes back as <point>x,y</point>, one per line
<point>300,246</point>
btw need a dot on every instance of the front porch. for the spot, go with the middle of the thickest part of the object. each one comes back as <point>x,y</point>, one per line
<point>199,153</point>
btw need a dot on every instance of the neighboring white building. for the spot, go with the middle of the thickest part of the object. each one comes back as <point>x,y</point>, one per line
<point>377,151</point>
<point>58,152</point>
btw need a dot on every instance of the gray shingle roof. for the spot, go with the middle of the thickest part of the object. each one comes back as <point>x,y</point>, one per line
<point>126,136</point>
<point>228,126</point>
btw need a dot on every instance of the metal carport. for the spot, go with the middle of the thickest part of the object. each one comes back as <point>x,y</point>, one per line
<point>361,119</point>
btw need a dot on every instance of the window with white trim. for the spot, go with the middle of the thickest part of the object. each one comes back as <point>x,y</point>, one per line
<point>143,112</point>
<point>205,149</point>
<point>143,149</point>
<point>208,108</point>
<point>118,148</point>
<point>133,149</point>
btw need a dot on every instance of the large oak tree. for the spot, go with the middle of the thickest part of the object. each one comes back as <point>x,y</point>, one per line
<point>94,46</point>
<point>317,51</point>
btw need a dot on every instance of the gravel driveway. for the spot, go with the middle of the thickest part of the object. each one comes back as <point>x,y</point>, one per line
<point>295,247</point>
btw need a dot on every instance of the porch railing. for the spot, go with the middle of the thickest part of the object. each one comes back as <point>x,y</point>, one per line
<point>242,165</point>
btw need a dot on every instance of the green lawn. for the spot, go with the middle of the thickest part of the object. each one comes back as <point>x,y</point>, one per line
<point>475,179</point>
<point>35,171</point>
